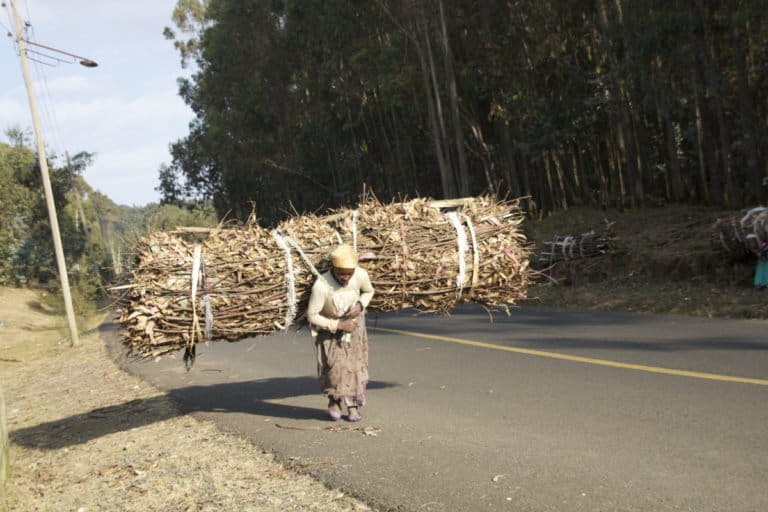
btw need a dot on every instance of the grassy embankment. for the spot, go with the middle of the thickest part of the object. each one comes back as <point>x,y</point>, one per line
<point>663,262</point>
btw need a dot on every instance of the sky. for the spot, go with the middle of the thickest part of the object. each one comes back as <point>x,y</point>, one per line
<point>127,110</point>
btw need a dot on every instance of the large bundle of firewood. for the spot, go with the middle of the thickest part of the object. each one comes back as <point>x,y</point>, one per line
<point>729,234</point>
<point>245,280</point>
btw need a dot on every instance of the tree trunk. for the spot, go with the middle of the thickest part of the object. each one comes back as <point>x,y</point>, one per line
<point>550,190</point>
<point>446,175</point>
<point>450,76</point>
<point>633,146</point>
<point>709,62</point>
<point>511,174</point>
<point>387,162</point>
<point>419,36</point>
<point>485,157</point>
<point>564,189</point>
<point>402,166</point>
<point>581,182</point>
<point>749,123</point>
<point>624,170</point>
<point>710,188</point>
<point>604,198</point>
<point>672,177</point>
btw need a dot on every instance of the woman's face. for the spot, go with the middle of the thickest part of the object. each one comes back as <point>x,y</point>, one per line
<point>343,275</point>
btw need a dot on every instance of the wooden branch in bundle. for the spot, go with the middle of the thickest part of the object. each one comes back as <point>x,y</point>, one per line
<point>585,245</point>
<point>252,281</point>
<point>729,234</point>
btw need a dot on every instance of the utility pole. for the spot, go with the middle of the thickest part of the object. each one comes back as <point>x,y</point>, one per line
<point>60,262</point>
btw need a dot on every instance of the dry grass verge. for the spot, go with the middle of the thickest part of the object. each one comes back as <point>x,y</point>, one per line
<point>86,436</point>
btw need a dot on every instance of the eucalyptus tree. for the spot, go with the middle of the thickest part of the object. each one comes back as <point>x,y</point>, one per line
<point>613,103</point>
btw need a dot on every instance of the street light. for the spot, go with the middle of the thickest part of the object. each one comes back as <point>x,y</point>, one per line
<point>58,249</point>
<point>83,61</point>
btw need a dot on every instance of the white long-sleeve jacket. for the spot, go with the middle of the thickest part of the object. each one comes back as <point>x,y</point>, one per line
<point>330,298</point>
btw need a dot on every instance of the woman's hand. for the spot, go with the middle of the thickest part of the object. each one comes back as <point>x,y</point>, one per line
<point>355,311</point>
<point>350,314</point>
<point>348,325</point>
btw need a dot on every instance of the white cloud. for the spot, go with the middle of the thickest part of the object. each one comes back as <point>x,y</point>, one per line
<point>128,177</point>
<point>145,112</point>
<point>131,139</point>
<point>88,12</point>
<point>13,112</point>
<point>68,84</point>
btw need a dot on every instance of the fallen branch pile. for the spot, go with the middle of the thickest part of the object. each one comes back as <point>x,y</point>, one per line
<point>245,280</point>
<point>729,234</point>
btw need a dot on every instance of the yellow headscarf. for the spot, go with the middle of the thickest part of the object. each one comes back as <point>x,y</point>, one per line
<point>344,256</point>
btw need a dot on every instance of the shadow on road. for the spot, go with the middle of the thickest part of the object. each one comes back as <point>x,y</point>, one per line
<point>251,397</point>
<point>256,397</point>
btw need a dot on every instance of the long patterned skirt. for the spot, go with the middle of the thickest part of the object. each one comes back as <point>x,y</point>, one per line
<point>342,367</point>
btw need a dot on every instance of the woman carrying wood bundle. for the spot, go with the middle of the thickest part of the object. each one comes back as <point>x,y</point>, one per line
<point>336,315</point>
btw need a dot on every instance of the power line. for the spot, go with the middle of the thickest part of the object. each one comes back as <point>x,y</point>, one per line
<point>10,23</point>
<point>47,101</point>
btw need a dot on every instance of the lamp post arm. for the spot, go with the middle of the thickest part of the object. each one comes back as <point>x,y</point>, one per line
<point>85,61</point>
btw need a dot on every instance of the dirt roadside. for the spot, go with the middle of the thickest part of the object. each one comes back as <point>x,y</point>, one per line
<point>86,436</point>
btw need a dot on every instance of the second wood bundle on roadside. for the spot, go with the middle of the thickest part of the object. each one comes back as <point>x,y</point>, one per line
<point>575,247</point>
<point>246,280</point>
<point>729,234</point>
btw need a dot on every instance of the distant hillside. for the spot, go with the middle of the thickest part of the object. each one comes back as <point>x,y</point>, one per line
<point>96,233</point>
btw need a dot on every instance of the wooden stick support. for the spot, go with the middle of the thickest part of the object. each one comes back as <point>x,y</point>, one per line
<point>452,203</point>
<point>5,464</point>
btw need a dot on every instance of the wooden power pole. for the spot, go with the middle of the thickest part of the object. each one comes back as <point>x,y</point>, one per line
<point>60,261</point>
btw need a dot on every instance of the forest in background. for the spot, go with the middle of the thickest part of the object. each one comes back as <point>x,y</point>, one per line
<point>605,103</point>
<point>302,106</point>
<point>97,234</point>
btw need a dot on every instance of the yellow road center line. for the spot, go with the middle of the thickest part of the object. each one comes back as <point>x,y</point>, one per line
<point>579,359</point>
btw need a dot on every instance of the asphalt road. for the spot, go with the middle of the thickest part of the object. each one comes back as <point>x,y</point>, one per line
<point>540,411</point>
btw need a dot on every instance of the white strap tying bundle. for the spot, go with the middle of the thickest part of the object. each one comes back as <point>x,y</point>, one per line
<point>461,242</point>
<point>197,256</point>
<point>749,214</point>
<point>567,244</point>
<point>355,215</point>
<point>290,280</point>
<point>303,256</point>
<point>198,272</point>
<point>475,255</point>
<point>758,225</point>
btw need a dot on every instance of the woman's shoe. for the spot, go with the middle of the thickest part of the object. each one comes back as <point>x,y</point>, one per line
<point>334,410</point>
<point>354,415</point>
